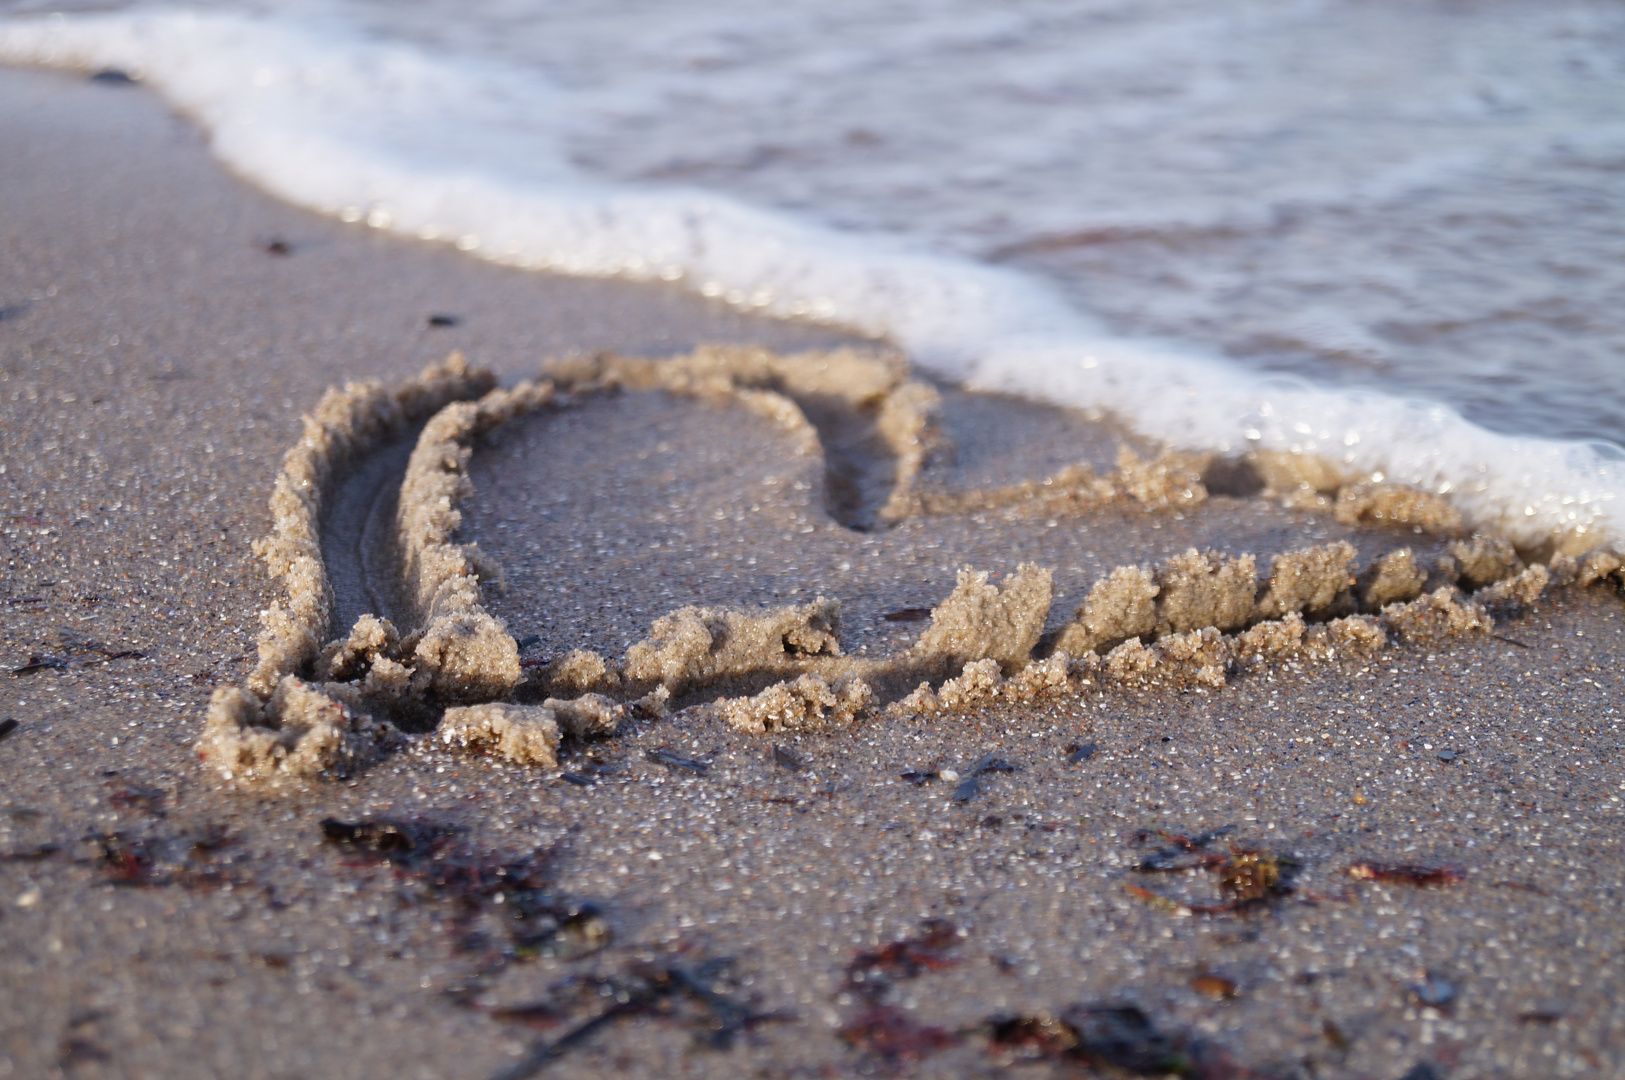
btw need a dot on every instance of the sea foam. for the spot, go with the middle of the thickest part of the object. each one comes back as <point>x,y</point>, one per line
<point>473,154</point>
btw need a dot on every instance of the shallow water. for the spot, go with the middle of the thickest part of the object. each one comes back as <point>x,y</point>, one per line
<point>1422,200</point>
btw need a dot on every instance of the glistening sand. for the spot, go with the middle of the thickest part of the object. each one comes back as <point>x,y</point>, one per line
<point>137,473</point>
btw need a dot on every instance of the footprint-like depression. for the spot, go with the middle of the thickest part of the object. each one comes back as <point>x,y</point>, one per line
<point>798,543</point>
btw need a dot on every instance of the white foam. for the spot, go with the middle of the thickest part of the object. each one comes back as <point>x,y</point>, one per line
<point>474,154</point>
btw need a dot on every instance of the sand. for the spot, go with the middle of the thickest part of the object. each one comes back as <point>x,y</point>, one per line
<point>155,358</point>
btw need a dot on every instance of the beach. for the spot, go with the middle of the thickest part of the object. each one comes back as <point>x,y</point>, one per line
<point>1438,821</point>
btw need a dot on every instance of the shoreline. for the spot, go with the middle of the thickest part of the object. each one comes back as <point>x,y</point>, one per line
<point>988,325</point>
<point>163,923</point>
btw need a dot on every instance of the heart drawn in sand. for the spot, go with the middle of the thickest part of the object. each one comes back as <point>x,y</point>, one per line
<point>369,506</point>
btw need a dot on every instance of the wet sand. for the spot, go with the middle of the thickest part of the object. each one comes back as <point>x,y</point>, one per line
<point>155,356</point>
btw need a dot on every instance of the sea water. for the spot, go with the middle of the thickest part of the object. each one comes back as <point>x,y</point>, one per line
<point>1389,234</point>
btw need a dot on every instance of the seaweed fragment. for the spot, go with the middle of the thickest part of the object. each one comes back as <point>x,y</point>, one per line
<point>74,1052</point>
<point>127,861</point>
<point>909,614</point>
<point>1113,1035</point>
<point>667,989</point>
<point>533,1013</point>
<point>41,662</point>
<point>872,971</point>
<point>1180,852</point>
<point>7,726</point>
<point>896,1038</point>
<point>1540,1016</point>
<point>76,652</point>
<point>671,759</point>
<point>1413,874</point>
<point>184,859</point>
<point>883,1030</point>
<point>439,859</point>
<point>787,758</point>
<point>32,854</point>
<point>140,798</point>
<point>382,836</point>
<point>1246,876</point>
<point>971,785</point>
<point>1029,1038</point>
<point>1422,1070</point>
<point>1124,1036</point>
<point>1077,754</point>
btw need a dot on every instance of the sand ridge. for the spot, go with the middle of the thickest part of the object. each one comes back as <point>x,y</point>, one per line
<point>314,706</point>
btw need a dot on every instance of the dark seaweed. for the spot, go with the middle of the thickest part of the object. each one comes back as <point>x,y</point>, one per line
<point>666,989</point>
<point>673,760</point>
<point>891,1035</point>
<point>871,972</point>
<point>971,785</point>
<point>1247,877</point>
<point>186,859</point>
<point>1029,1038</point>
<point>1110,1034</point>
<point>439,858</point>
<point>1076,755</point>
<point>1122,1035</point>
<point>1405,874</point>
<point>40,662</point>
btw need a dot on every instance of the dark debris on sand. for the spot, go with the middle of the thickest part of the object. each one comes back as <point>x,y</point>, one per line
<point>671,759</point>
<point>893,1037</point>
<point>692,995</point>
<point>971,784</point>
<point>881,1031</point>
<point>872,971</point>
<point>1112,1038</point>
<point>201,859</point>
<point>76,654</point>
<point>439,860</point>
<point>1246,877</point>
<point>1411,874</point>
